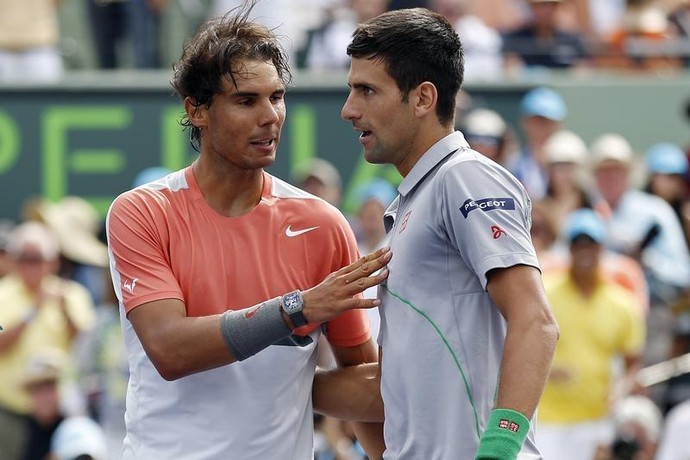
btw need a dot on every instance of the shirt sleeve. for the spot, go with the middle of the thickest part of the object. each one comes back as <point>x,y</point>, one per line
<point>486,214</point>
<point>352,327</point>
<point>137,237</point>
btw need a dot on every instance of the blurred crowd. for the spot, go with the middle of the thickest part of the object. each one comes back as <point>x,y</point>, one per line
<point>502,38</point>
<point>611,225</point>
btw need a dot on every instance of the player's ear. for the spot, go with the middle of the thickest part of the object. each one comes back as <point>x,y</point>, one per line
<point>425,98</point>
<point>196,113</point>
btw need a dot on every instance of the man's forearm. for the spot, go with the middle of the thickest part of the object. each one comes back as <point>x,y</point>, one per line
<point>349,393</point>
<point>525,366</point>
<point>353,394</point>
<point>370,436</point>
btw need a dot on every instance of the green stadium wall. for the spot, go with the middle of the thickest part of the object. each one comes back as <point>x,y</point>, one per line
<point>92,134</point>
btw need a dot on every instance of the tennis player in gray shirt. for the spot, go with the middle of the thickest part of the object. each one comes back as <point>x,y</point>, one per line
<point>467,335</point>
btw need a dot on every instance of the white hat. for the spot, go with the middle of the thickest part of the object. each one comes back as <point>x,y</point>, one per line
<point>484,123</point>
<point>641,411</point>
<point>322,170</point>
<point>78,435</point>
<point>47,365</point>
<point>34,234</point>
<point>565,147</point>
<point>611,147</point>
<point>76,224</point>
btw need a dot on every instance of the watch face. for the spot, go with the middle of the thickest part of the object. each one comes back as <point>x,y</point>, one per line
<point>292,302</point>
<point>293,305</point>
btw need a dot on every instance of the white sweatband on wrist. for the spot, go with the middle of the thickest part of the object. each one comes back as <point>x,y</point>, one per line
<point>246,332</point>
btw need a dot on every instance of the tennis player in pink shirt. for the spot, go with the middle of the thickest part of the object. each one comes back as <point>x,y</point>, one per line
<point>226,275</point>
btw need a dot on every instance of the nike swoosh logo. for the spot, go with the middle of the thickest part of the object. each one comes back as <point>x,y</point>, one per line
<point>293,233</point>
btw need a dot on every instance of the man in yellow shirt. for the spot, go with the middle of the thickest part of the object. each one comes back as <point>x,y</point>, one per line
<point>600,323</point>
<point>38,310</point>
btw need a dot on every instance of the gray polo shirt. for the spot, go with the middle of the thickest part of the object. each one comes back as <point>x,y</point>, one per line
<point>458,216</point>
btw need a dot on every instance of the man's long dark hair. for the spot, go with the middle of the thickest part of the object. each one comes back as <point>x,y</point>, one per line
<point>217,51</point>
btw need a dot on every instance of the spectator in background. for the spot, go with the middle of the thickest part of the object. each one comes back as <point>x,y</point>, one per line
<point>487,132</point>
<point>641,225</point>
<point>554,256</point>
<point>108,20</point>
<point>326,46</point>
<point>84,256</point>
<point>38,310</point>
<point>645,41</point>
<point>599,324</point>
<point>567,187</point>
<point>637,427</point>
<point>30,41</point>
<point>373,198</point>
<point>321,178</point>
<point>481,44</point>
<point>144,25</point>
<point>542,113</point>
<point>542,43</point>
<point>117,25</point>
<point>43,375</point>
<point>667,165</point>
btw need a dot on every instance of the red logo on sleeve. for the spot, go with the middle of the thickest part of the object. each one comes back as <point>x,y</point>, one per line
<point>497,231</point>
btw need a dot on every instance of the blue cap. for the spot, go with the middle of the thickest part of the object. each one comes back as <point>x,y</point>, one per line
<point>666,158</point>
<point>378,189</point>
<point>544,102</point>
<point>585,222</point>
<point>149,175</point>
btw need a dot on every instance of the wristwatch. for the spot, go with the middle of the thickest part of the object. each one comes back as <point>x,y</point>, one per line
<point>293,304</point>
